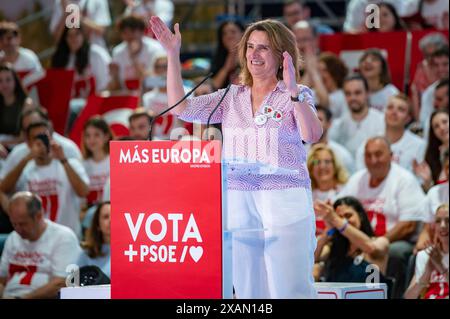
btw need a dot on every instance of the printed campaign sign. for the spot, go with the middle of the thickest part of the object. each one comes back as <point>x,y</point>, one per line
<point>166,231</point>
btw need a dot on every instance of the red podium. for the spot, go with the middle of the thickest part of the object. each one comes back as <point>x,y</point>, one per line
<point>167,237</point>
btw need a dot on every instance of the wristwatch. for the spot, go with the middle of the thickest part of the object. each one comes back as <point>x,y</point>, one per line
<point>299,98</point>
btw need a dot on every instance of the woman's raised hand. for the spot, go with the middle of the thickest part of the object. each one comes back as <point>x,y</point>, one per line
<point>171,42</point>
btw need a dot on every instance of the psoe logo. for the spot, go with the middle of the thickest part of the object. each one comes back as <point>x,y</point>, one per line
<point>162,247</point>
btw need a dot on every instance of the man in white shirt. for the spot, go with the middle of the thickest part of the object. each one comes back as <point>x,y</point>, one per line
<point>131,59</point>
<point>439,65</point>
<point>391,197</point>
<point>406,146</point>
<point>20,151</point>
<point>37,253</point>
<point>24,61</point>
<point>47,172</point>
<point>362,122</point>
<point>95,18</point>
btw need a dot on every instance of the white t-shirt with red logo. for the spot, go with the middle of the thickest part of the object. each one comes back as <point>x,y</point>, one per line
<point>98,173</point>
<point>436,196</point>
<point>50,182</point>
<point>404,151</point>
<point>330,195</point>
<point>30,265</point>
<point>396,199</point>
<point>438,288</point>
<point>28,66</point>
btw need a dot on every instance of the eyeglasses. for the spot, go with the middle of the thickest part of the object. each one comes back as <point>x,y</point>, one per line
<point>317,162</point>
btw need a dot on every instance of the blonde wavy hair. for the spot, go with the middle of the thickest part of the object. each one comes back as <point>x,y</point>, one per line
<point>340,173</point>
<point>280,38</point>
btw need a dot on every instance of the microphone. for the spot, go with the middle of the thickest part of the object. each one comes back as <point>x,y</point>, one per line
<point>176,104</point>
<point>215,108</point>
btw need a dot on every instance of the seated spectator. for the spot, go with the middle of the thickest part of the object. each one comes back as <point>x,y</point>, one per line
<point>362,122</point>
<point>24,61</point>
<point>333,71</point>
<point>431,170</point>
<point>425,75</point>
<point>374,68</point>
<point>89,61</point>
<point>225,64</point>
<point>437,195</point>
<point>350,246</point>
<point>428,103</point>
<point>342,154</point>
<point>139,123</point>
<point>36,255</point>
<point>97,244</point>
<point>297,10</point>
<point>327,176</point>
<point>20,151</point>
<point>131,59</point>
<point>389,19</point>
<point>95,18</point>
<point>164,9</point>
<point>407,148</point>
<point>155,101</point>
<point>95,148</point>
<point>47,172</point>
<point>391,197</point>
<point>430,280</point>
<point>13,100</point>
<point>308,46</point>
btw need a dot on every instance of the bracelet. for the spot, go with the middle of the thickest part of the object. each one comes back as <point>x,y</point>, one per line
<point>343,228</point>
<point>63,161</point>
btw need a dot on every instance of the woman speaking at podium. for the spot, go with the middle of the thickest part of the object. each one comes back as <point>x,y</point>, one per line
<point>264,120</point>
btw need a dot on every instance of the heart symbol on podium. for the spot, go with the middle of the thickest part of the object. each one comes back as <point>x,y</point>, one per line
<point>196,253</point>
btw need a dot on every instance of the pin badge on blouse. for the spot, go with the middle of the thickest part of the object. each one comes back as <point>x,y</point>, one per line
<point>260,119</point>
<point>268,110</point>
<point>277,116</point>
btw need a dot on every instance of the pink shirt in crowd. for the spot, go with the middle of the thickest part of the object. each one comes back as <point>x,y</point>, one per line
<point>271,137</point>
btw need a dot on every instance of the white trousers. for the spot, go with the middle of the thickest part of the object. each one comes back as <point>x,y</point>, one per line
<point>276,261</point>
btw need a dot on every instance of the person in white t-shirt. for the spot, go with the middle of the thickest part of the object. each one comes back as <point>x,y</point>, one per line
<point>406,146</point>
<point>47,172</point>
<point>24,61</point>
<point>391,197</point>
<point>435,13</point>
<point>430,280</point>
<point>436,196</point>
<point>362,122</point>
<point>89,61</point>
<point>20,151</point>
<point>131,59</point>
<point>431,101</point>
<point>96,137</point>
<point>36,255</point>
<point>341,153</point>
<point>156,101</point>
<point>95,18</point>
<point>374,68</point>
<point>333,72</point>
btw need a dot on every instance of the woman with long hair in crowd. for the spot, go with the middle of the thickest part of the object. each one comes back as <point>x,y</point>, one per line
<point>13,100</point>
<point>328,176</point>
<point>349,246</point>
<point>375,69</point>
